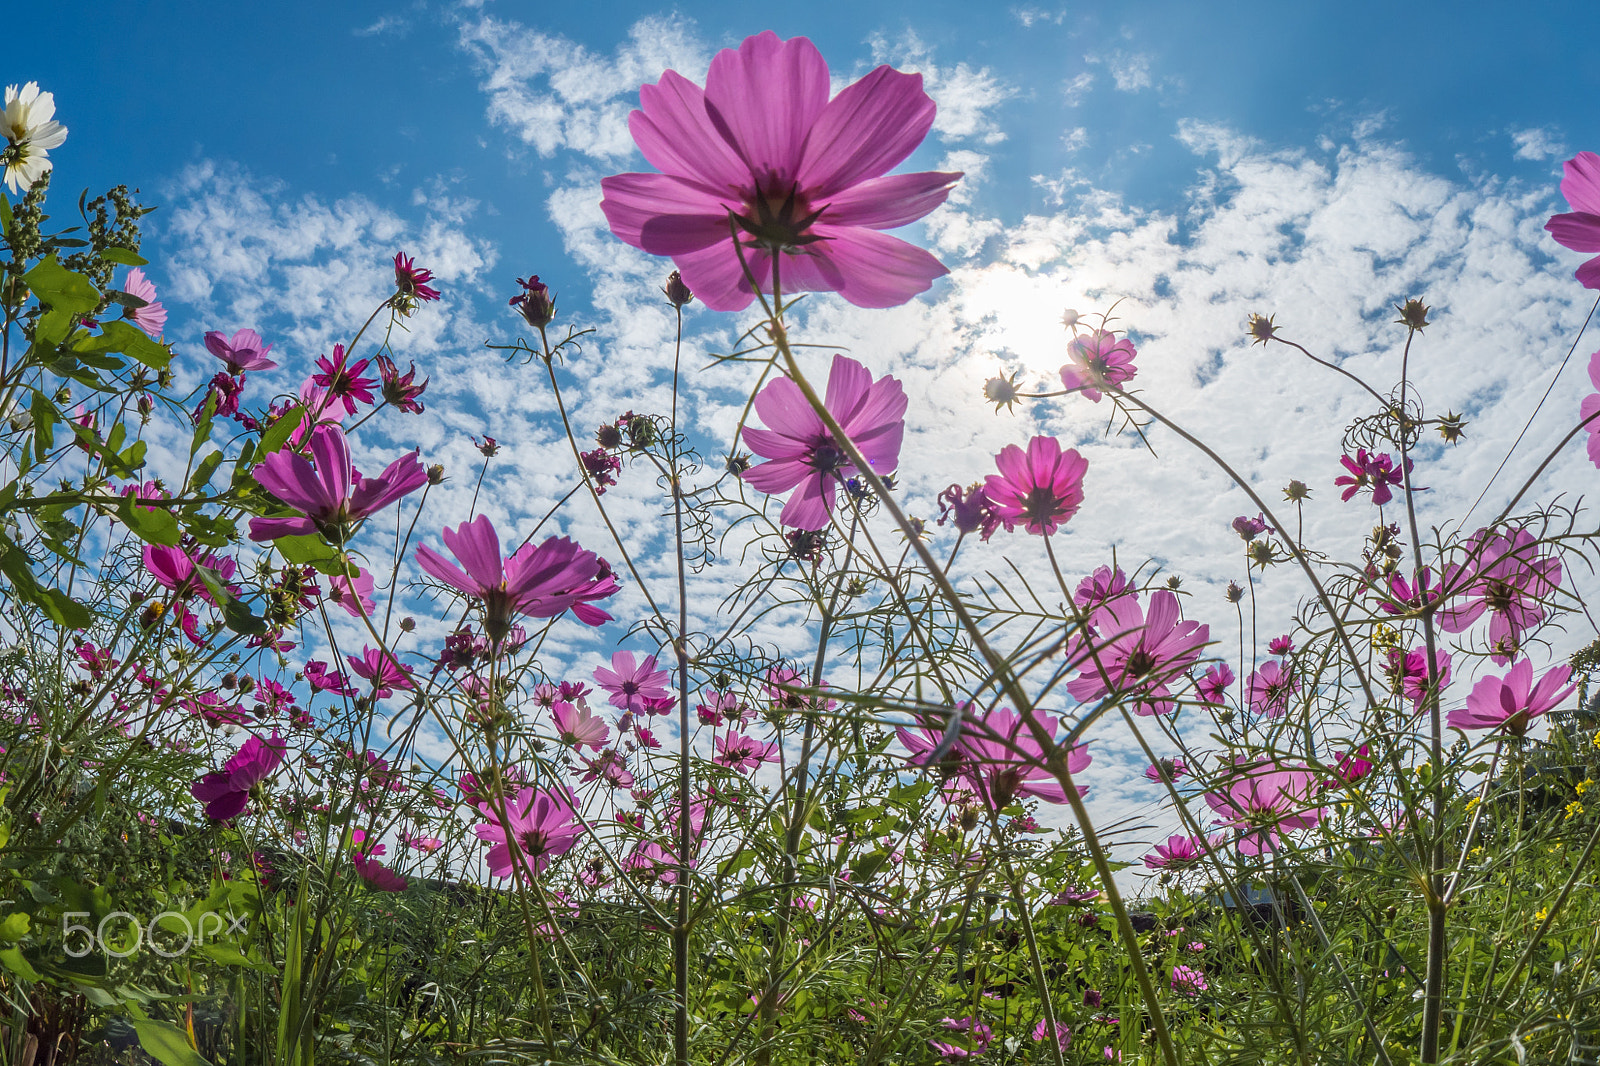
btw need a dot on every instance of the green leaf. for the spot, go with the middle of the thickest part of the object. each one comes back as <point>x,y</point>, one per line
<point>152,525</point>
<point>59,287</point>
<point>202,473</point>
<point>54,326</point>
<point>167,1043</point>
<point>239,618</point>
<point>12,960</point>
<point>118,336</point>
<point>277,435</point>
<point>229,955</point>
<point>45,417</point>
<point>14,927</point>
<point>308,548</point>
<point>123,256</point>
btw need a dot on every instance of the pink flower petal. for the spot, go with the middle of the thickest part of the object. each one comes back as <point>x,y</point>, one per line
<point>866,131</point>
<point>664,215</point>
<point>1581,183</point>
<point>764,98</point>
<point>673,131</point>
<point>877,270</point>
<point>884,203</point>
<point>1579,231</point>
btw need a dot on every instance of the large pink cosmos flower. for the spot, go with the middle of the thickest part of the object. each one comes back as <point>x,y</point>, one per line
<point>1141,652</point>
<point>1589,410</point>
<point>1040,488</point>
<point>1002,760</point>
<point>544,826</point>
<point>226,791</point>
<point>632,684</point>
<point>801,454</point>
<point>1098,360</point>
<point>1507,577</point>
<point>1266,801</point>
<point>1512,702</point>
<point>329,492</point>
<point>1179,852</point>
<point>798,173</point>
<point>1579,229</point>
<point>244,352</point>
<point>578,727</point>
<point>1268,689</point>
<point>538,581</point>
<point>742,753</point>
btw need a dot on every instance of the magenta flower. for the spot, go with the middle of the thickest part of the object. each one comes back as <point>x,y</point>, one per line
<point>329,492</point>
<point>1178,853</point>
<point>225,792</point>
<point>176,569</point>
<point>382,670</point>
<point>969,508</point>
<point>1212,687</point>
<point>1188,980</point>
<point>375,873</point>
<point>1002,760</point>
<point>801,454</point>
<point>1280,645</point>
<point>1040,488</point>
<point>1512,702</point>
<point>244,352</point>
<point>537,581</point>
<point>1376,472</point>
<point>1506,576</point>
<point>1353,766</point>
<point>323,679</point>
<point>743,753</point>
<point>1579,229</point>
<point>1100,360</point>
<point>343,381</point>
<point>1250,528</point>
<point>577,727</point>
<point>1409,672</point>
<point>1140,653</point>
<point>1268,689</point>
<point>1101,587</point>
<point>542,825</point>
<point>1266,801</point>
<point>152,317</point>
<point>797,173</point>
<point>1167,770</point>
<point>1589,410</point>
<point>400,391</point>
<point>1403,599</point>
<point>411,281</point>
<point>632,683</point>
<point>354,594</point>
<point>1063,1034</point>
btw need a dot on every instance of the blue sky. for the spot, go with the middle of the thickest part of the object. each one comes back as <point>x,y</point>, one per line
<point>1197,161</point>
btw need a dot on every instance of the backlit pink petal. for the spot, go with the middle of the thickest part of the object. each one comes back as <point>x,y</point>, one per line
<point>764,98</point>
<point>782,407</point>
<point>878,270</point>
<point>1588,274</point>
<point>672,130</point>
<point>477,546</point>
<point>1581,182</point>
<point>717,278</point>
<point>1578,230</point>
<point>866,131</point>
<point>663,215</point>
<point>330,451</point>
<point>888,202</point>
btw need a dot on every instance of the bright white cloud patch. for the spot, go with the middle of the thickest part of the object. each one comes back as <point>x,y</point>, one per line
<point>1538,144</point>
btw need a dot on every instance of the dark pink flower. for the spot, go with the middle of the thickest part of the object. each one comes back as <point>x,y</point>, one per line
<point>1512,702</point>
<point>1250,528</point>
<point>1101,587</point>
<point>538,581</point>
<point>329,491</point>
<point>801,454</point>
<point>970,509</point>
<point>1579,229</point>
<point>382,669</point>
<point>1403,599</point>
<point>1506,576</point>
<point>631,683</point>
<point>323,679</point>
<point>375,873</point>
<point>400,391</point>
<point>1100,360</point>
<point>1265,801</point>
<point>534,302</point>
<point>542,825</point>
<point>152,317</point>
<point>1352,767</point>
<point>1268,689</point>
<point>1138,653</point>
<point>1376,472</point>
<point>1040,488</point>
<point>1167,770</point>
<point>1281,645</point>
<point>1002,760</point>
<point>1188,980</point>
<point>602,467</point>
<point>743,753</point>
<point>343,381</point>
<point>225,792</point>
<point>244,352</point>
<point>1409,672</point>
<point>1214,685</point>
<point>800,175</point>
<point>411,281</point>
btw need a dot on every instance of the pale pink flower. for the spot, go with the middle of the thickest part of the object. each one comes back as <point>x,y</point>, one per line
<point>1003,760</point>
<point>542,825</point>
<point>1101,587</point>
<point>1099,360</point>
<point>1269,689</point>
<point>354,594</point>
<point>329,491</point>
<point>802,455</point>
<point>1507,576</point>
<point>1179,852</point>
<point>631,683</point>
<point>1139,652</point>
<point>743,753</point>
<point>578,727</point>
<point>1167,770</point>
<point>1579,229</point>
<point>1188,980</point>
<point>152,317</point>
<point>762,147</point>
<point>1214,685</point>
<point>243,352</point>
<point>1040,488</point>
<point>1510,703</point>
<point>1266,800</point>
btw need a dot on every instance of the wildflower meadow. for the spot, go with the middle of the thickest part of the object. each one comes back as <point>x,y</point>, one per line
<point>735,753</point>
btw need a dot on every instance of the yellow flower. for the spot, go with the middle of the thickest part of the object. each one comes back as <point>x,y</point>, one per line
<point>1472,803</point>
<point>1574,809</point>
<point>1542,915</point>
<point>1583,786</point>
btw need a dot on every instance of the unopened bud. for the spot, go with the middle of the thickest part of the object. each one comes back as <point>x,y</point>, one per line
<point>1262,329</point>
<point>535,303</point>
<point>676,292</point>
<point>436,474</point>
<point>1413,315</point>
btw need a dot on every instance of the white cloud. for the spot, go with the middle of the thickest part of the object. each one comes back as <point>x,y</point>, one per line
<point>1130,72</point>
<point>967,97</point>
<point>1030,16</point>
<point>1538,144</point>
<point>1075,90</point>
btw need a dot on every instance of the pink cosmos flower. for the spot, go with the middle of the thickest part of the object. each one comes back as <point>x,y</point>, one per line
<point>1141,653</point>
<point>800,452</point>
<point>400,391</point>
<point>631,683</point>
<point>743,753</point>
<point>1188,980</point>
<point>1512,702</point>
<point>578,727</point>
<point>1280,645</point>
<point>410,281</point>
<point>1040,488</point>
<point>542,825</point>
<point>1179,852</point>
<point>420,843</point>
<point>1265,801</point>
<point>1589,410</point>
<point>979,1033</point>
<point>1353,766</point>
<point>610,767</point>
<point>539,581</point>
<point>1101,587</point>
<point>329,491</point>
<point>1268,689</point>
<point>1167,770</point>
<point>1579,229</point>
<point>800,175</point>
<point>343,381</point>
<point>1403,599</point>
<point>152,317</point>
<point>1002,760</point>
<point>375,873</point>
<point>1376,472</point>
<point>354,594</point>
<point>382,670</point>
<point>244,352</point>
<point>1506,576</point>
<point>969,508</point>
<point>1410,671</point>
<point>176,569</point>
<point>1212,687</point>
<point>1099,360</point>
<point>1250,528</point>
<point>1063,1034</point>
<point>322,679</point>
<point>225,792</point>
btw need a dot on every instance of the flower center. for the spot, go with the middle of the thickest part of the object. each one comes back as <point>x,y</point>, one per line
<point>779,217</point>
<point>1040,504</point>
<point>534,842</point>
<point>827,457</point>
<point>1141,662</point>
